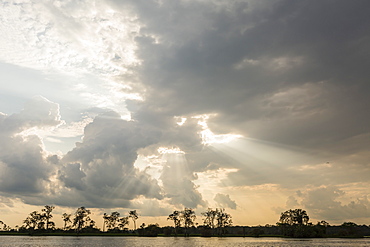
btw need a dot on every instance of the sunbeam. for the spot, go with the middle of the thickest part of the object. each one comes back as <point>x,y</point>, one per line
<point>254,177</point>
<point>177,180</point>
<point>264,153</point>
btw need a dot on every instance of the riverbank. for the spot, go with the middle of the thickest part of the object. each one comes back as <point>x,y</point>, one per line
<point>106,234</point>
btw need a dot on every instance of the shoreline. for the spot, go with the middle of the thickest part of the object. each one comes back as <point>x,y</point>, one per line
<point>161,235</point>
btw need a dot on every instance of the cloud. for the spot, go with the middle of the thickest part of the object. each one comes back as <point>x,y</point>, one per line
<point>77,49</point>
<point>284,95</point>
<point>72,176</point>
<point>64,36</point>
<point>177,182</point>
<point>330,203</point>
<point>292,78</point>
<point>225,201</point>
<point>101,167</point>
<point>99,172</point>
<point>23,164</point>
<point>151,207</point>
<point>37,112</point>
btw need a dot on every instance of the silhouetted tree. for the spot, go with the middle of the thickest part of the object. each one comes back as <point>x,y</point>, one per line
<point>209,217</point>
<point>294,216</point>
<point>41,225</point>
<point>92,223</point>
<point>320,228</point>
<point>67,219</point>
<point>151,230</point>
<point>323,223</point>
<point>122,222</point>
<point>176,218</point>
<point>188,217</point>
<point>223,220</point>
<point>349,229</point>
<point>51,225</point>
<point>134,216</point>
<point>33,220</point>
<point>294,223</point>
<point>47,215</point>
<point>39,221</point>
<point>27,223</point>
<point>105,220</point>
<point>112,220</point>
<point>81,218</point>
<point>349,224</point>
<point>5,226</point>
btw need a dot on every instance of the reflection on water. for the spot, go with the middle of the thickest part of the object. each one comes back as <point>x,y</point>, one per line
<point>25,241</point>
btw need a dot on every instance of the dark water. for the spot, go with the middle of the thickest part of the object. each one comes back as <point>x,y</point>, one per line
<point>25,241</point>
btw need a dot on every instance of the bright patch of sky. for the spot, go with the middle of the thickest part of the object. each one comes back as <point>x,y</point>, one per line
<point>68,55</point>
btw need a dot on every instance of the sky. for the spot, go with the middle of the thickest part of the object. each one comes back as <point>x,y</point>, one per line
<point>255,106</point>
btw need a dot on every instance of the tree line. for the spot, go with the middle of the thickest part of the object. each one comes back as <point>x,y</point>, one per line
<point>216,222</point>
<point>295,223</point>
<point>80,221</point>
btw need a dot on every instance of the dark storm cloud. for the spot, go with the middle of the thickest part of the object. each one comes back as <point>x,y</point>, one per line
<point>234,58</point>
<point>287,72</point>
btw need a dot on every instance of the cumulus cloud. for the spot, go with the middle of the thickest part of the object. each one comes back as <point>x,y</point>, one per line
<point>72,176</point>
<point>330,203</point>
<point>23,164</point>
<point>225,201</point>
<point>99,171</point>
<point>101,167</point>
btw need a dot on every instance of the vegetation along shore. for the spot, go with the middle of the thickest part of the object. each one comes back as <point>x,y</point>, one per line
<point>216,222</point>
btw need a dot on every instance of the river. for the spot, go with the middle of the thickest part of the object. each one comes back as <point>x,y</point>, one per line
<point>28,241</point>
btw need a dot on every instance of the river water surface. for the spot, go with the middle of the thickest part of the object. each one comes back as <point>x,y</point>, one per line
<point>25,241</point>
